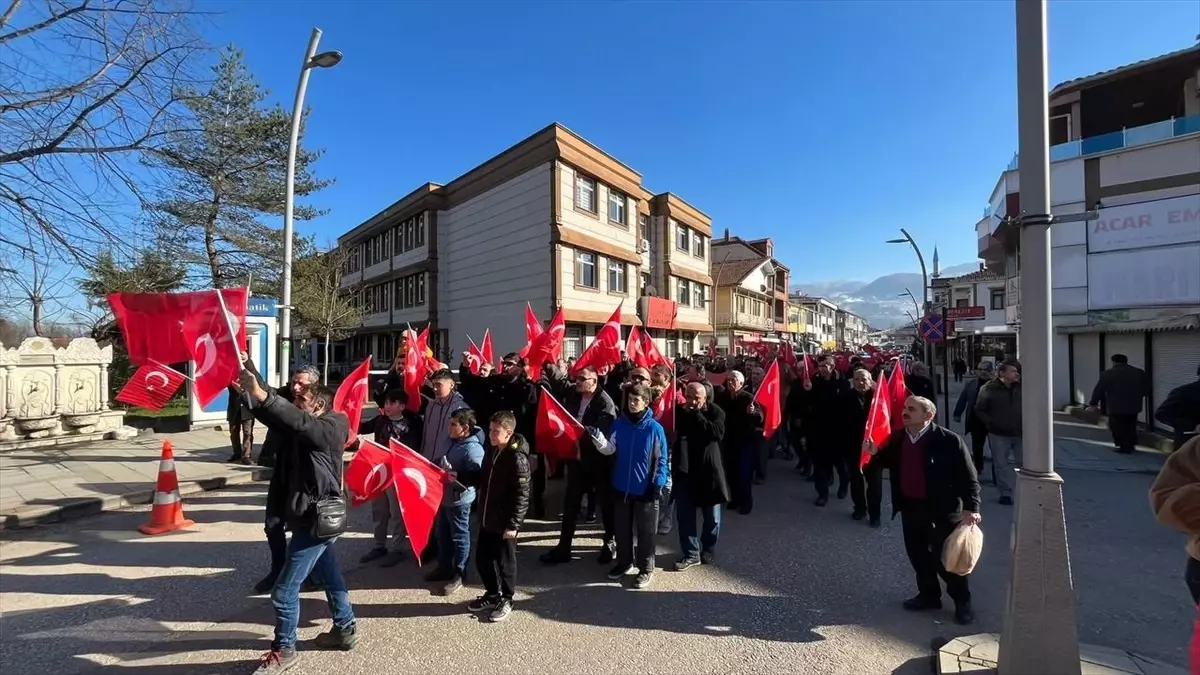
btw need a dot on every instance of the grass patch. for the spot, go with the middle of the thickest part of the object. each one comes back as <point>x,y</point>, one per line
<point>173,409</point>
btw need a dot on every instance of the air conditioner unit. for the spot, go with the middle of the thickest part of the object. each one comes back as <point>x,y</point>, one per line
<point>645,246</point>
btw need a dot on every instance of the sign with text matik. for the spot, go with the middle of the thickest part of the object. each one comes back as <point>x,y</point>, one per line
<point>1153,223</point>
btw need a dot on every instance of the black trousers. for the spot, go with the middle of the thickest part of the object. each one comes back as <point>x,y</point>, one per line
<point>826,460</point>
<point>866,486</point>
<point>1124,431</point>
<point>636,520</point>
<point>496,560</point>
<point>586,480</point>
<point>537,489</point>
<point>978,443</point>
<point>924,537</point>
<point>241,438</point>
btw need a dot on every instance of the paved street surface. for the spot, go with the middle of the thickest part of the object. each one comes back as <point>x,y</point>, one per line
<point>70,480</point>
<point>796,588</point>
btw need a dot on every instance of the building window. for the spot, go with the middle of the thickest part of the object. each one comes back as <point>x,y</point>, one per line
<point>962,302</point>
<point>616,276</point>
<point>643,227</point>
<point>616,208</point>
<point>681,238</point>
<point>420,290</point>
<point>585,269</point>
<point>420,238</point>
<point>698,295</point>
<point>698,245</point>
<point>685,293</point>
<point>573,343</point>
<point>741,304</point>
<point>585,193</point>
<point>998,298</point>
<point>672,346</point>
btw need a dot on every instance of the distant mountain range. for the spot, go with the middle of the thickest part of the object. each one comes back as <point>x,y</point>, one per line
<point>878,301</point>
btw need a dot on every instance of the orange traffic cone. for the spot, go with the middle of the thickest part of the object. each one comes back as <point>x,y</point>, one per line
<point>167,513</point>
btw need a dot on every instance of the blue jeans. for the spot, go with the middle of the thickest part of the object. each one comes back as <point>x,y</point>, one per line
<point>685,514</point>
<point>305,555</point>
<point>453,531</point>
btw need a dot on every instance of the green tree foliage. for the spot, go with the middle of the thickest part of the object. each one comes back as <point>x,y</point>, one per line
<point>226,178</point>
<point>323,306</point>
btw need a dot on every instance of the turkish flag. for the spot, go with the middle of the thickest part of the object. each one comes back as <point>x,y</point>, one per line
<point>151,387</point>
<point>533,328</point>
<point>474,357</point>
<point>486,351</point>
<point>211,340</point>
<point>640,349</point>
<point>788,355</point>
<point>414,370</point>
<point>808,368</point>
<point>546,347</point>
<point>879,421</point>
<point>605,349</point>
<point>369,473</point>
<point>419,485</point>
<point>352,396</point>
<point>663,409</point>
<point>151,322</point>
<point>767,397</point>
<point>557,432</point>
<point>898,395</point>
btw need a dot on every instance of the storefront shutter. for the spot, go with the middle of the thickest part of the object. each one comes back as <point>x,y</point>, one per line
<point>1176,355</point>
<point>1085,366</point>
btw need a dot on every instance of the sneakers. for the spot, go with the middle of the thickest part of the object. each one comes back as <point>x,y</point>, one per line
<point>684,564</point>
<point>484,603</point>
<point>276,661</point>
<point>342,639</point>
<point>608,552</point>
<point>707,557</point>
<point>621,571</point>
<point>265,584</point>
<point>451,586</point>
<point>555,556</point>
<point>373,555</point>
<point>501,611</point>
<point>922,603</point>
<point>643,580</point>
<point>392,558</point>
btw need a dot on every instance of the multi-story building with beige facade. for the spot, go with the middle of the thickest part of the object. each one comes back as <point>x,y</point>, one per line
<point>553,221</point>
<point>678,235</point>
<point>822,332</point>
<point>751,303</point>
<point>850,330</point>
<point>1126,145</point>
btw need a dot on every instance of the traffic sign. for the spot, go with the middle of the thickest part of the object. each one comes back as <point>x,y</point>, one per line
<point>933,328</point>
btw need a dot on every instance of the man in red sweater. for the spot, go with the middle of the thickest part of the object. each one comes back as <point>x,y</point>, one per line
<point>934,488</point>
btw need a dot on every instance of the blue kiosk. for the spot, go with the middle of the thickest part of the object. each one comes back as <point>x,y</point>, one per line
<point>262,332</point>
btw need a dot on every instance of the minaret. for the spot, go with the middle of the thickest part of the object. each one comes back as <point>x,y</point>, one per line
<point>936,272</point>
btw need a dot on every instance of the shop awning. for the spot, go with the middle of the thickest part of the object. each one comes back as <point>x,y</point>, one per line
<point>1185,322</point>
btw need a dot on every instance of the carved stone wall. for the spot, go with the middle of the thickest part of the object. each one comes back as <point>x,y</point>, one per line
<point>49,393</point>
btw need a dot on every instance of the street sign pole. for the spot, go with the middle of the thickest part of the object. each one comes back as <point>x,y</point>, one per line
<point>946,367</point>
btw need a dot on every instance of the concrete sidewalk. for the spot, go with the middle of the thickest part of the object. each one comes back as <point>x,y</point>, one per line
<point>51,484</point>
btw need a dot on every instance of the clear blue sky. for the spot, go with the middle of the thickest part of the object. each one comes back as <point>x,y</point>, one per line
<point>824,125</point>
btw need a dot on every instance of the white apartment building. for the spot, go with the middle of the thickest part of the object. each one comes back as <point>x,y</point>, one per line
<point>553,221</point>
<point>851,330</point>
<point>823,329</point>
<point>1127,145</point>
<point>975,308</point>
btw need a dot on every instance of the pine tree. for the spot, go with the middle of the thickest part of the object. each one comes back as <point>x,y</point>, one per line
<point>225,178</point>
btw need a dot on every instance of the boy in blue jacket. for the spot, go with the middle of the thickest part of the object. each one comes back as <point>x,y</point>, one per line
<point>463,462</point>
<point>638,444</point>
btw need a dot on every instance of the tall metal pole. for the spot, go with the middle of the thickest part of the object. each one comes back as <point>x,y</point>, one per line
<point>1040,633</point>
<point>285,310</point>
<point>924,291</point>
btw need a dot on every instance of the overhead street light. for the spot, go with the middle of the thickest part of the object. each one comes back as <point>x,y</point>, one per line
<point>311,60</point>
<point>907,239</point>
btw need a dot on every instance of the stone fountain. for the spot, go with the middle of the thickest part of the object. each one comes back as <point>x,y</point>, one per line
<point>53,395</point>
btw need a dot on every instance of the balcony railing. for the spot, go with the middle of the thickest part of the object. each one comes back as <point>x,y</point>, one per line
<point>744,320</point>
<point>1125,138</point>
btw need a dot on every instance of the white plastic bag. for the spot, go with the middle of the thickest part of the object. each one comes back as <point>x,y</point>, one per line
<point>962,549</point>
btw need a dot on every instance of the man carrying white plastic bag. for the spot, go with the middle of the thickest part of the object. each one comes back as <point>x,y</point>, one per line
<point>935,489</point>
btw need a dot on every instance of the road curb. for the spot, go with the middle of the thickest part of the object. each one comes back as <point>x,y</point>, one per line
<point>44,514</point>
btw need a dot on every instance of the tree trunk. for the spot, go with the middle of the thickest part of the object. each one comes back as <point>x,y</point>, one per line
<point>210,241</point>
<point>325,367</point>
<point>36,301</point>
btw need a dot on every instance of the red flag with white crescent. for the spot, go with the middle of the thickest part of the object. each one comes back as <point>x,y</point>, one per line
<point>151,322</point>
<point>633,348</point>
<point>663,409</point>
<point>414,369</point>
<point>351,396</point>
<point>212,342</point>
<point>879,423</point>
<point>151,387</point>
<point>486,348</point>
<point>546,347</point>
<point>767,397</point>
<point>898,394</point>
<point>474,356</point>
<point>419,486</point>
<point>605,349</point>
<point>557,432</point>
<point>369,472</point>
<point>533,328</point>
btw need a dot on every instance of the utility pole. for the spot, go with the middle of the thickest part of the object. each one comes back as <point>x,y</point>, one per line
<point>1040,631</point>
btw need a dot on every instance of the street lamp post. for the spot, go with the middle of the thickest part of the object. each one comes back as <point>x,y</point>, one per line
<point>1040,634</point>
<point>912,297</point>
<point>311,60</point>
<point>907,239</point>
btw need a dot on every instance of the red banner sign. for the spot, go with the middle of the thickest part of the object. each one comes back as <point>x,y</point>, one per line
<point>966,312</point>
<point>659,313</point>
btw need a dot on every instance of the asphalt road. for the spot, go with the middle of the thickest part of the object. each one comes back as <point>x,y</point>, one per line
<point>795,589</point>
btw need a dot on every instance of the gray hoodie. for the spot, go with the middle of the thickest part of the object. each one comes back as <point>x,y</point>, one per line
<point>435,442</point>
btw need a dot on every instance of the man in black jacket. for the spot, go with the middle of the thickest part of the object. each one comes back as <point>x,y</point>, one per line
<point>698,476</point>
<point>824,430</point>
<point>241,422</point>
<point>512,390</point>
<point>312,472</point>
<point>934,488</point>
<point>1181,410</point>
<point>592,472</point>
<point>742,439</point>
<point>866,483</point>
